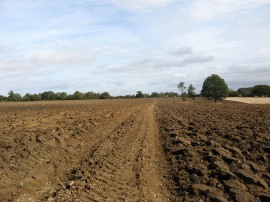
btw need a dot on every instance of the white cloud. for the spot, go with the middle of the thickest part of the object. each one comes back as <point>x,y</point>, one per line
<point>2,50</point>
<point>65,57</point>
<point>207,9</point>
<point>197,59</point>
<point>150,65</point>
<point>180,51</point>
<point>236,75</point>
<point>16,66</point>
<point>180,75</point>
<point>139,5</point>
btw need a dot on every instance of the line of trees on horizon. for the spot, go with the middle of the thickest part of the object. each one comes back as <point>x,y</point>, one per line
<point>50,95</point>
<point>255,91</point>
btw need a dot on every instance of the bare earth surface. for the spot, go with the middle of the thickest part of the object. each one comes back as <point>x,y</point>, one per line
<point>134,150</point>
<point>250,100</point>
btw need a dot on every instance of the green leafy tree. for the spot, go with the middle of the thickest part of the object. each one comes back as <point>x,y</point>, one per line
<point>105,95</point>
<point>261,90</point>
<point>31,97</point>
<point>245,92</point>
<point>181,86</point>
<point>155,94</point>
<point>214,87</point>
<point>48,95</point>
<point>91,95</point>
<point>139,94</point>
<point>35,97</point>
<point>78,95</point>
<point>146,95</point>
<point>191,91</point>
<point>26,97</point>
<point>70,97</point>
<point>61,95</point>
<point>2,98</point>
<point>171,94</point>
<point>162,94</point>
<point>233,93</point>
<point>14,97</point>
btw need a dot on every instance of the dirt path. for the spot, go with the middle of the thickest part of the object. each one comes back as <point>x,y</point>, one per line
<point>47,145</point>
<point>125,166</point>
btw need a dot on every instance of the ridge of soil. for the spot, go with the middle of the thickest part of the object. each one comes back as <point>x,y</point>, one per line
<point>219,151</point>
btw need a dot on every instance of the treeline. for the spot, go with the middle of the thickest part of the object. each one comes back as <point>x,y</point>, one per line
<point>255,91</point>
<point>50,95</point>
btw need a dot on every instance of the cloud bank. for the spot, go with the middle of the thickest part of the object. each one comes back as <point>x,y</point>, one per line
<point>125,46</point>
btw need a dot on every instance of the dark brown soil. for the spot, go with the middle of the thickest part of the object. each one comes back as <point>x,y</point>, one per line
<point>134,150</point>
<point>219,151</point>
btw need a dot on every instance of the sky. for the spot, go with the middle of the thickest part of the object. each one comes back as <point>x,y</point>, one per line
<point>125,46</point>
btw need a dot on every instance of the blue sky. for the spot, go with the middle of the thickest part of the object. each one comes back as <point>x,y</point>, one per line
<point>124,46</point>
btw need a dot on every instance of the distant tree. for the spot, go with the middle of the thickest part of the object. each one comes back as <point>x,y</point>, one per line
<point>48,95</point>
<point>31,97</point>
<point>2,98</point>
<point>11,95</point>
<point>214,87</point>
<point>171,94</point>
<point>261,90</point>
<point>14,97</point>
<point>78,95</point>
<point>62,96</point>
<point>181,86</point>
<point>91,95</point>
<point>127,96</point>
<point>70,97</point>
<point>162,94</point>
<point>139,94</point>
<point>245,92</point>
<point>105,95</point>
<point>35,97</point>
<point>191,91</point>
<point>26,97</point>
<point>146,95</point>
<point>18,97</point>
<point>155,95</point>
<point>233,93</point>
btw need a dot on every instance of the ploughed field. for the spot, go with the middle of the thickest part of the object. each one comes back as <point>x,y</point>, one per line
<point>134,150</point>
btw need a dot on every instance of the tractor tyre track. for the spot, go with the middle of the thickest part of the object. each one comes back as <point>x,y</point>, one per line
<point>126,166</point>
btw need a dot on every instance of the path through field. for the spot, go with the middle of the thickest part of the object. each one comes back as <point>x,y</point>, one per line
<point>123,166</point>
<point>95,151</point>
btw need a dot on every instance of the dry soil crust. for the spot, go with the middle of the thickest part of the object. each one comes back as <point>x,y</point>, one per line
<point>134,150</point>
